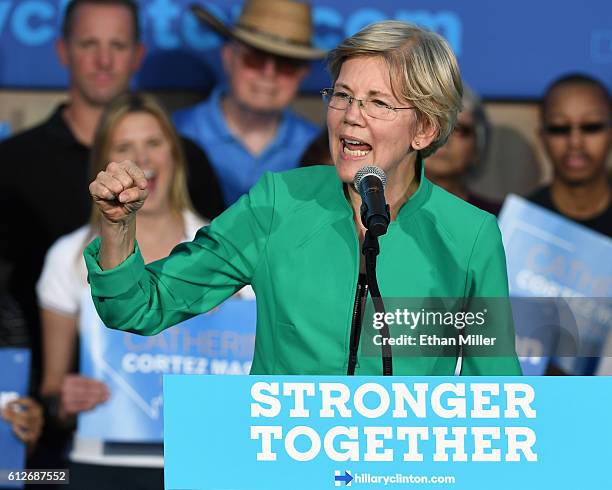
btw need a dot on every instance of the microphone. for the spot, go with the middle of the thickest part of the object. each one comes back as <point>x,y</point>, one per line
<point>370,183</point>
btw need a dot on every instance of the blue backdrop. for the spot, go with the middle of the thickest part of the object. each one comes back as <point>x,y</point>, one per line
<point>506,49</point>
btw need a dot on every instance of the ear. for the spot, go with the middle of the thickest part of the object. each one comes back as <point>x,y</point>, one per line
<point>139,54</point>
<point>227,55</point>
<point>62,51</point>
<point>542,139</point>
<point>425,134</point>
<point>303,72</point>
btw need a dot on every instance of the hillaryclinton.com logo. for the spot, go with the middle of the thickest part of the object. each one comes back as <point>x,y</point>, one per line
<point>347,478</point>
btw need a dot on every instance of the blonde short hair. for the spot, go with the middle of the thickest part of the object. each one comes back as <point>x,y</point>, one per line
<point>120,107</point>
<point>422,67</point>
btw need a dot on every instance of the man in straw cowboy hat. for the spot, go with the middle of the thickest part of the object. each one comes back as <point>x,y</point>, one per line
<point>245,125</point>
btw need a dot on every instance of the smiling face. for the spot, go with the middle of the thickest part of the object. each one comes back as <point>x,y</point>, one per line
<point>101,52</point>
<point>576,132</point>
<point>357,139</point>
<point>139,137</point>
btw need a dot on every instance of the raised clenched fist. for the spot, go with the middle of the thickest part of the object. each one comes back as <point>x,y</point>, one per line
<point>119,191</point>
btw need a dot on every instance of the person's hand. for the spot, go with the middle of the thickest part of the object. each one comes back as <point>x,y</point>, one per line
<point>26,417</point>
<point>119,191</point>
<point>80,393</point>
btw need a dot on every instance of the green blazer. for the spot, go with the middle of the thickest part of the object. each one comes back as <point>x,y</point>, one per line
<point>293,238</point>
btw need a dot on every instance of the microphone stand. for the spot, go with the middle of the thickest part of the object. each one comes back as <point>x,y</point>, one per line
<point>370,250</point>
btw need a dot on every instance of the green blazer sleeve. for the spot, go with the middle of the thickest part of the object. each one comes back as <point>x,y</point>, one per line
<point>487,279</point>
<point>194,278</point>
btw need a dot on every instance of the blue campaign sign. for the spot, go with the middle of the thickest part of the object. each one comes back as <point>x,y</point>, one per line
<point>505,49</point>
<point>549,256</point>
<point>132,366</point>
<point>5,130</point>
<point>15,369</point>
<point>324,432</point>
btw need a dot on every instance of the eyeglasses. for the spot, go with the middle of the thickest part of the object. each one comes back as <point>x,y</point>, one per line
<point>566,129</point>
<point>256,59</point>
<point>464,130</point>
<point>373,107</point>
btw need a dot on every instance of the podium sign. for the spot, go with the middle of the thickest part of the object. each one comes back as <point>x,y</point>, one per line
<point>324,432</point>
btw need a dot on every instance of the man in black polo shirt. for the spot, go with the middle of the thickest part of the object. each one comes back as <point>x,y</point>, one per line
<point>101,49</point>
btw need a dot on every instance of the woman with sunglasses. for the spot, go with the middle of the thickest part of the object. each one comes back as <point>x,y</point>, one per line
<point>464,154</point>
<point>576,115</point>
<point>296,236</point>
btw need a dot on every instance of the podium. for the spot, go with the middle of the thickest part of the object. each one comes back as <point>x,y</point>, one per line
<point>318,432</point>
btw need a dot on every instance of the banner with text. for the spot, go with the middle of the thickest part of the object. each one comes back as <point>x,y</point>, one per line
<point>182,53</point>
<point>566,269</point>
<point>132,366</point>
<point>263,432</point>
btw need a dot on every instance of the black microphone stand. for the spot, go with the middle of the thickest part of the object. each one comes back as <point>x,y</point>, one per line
<point>370,250</point>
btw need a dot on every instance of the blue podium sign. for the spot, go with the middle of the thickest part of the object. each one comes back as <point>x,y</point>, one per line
<point>549,256</point>
<point>14,380</point>
<point>324,432</point>
<point>132,366</point>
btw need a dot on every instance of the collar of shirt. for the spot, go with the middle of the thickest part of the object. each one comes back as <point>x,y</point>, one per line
<point>411,206</point>
<point>60,131</point>
<point>220,131</point>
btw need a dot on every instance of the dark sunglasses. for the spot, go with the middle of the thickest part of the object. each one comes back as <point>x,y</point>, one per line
<point>464,130</point>
<point>566,129</point>
<point>257,60</point>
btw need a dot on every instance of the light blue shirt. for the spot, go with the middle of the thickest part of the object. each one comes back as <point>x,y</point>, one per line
<point>237,168</point>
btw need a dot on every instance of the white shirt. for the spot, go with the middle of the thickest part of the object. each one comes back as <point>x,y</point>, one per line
<point>61,286</point>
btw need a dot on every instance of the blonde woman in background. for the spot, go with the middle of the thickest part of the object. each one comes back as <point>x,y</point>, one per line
<point>135,128</point>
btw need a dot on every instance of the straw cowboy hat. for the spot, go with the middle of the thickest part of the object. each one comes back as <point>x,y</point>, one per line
<point>280,27</point>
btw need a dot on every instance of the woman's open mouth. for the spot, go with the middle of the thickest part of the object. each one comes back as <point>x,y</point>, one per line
<point>151,176</point>
<point>354,147</point>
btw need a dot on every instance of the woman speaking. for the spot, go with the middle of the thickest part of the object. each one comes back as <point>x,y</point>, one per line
<point>296,235</point>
